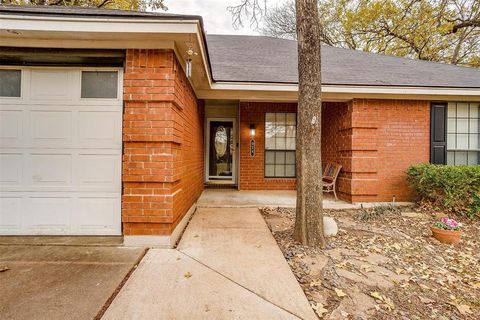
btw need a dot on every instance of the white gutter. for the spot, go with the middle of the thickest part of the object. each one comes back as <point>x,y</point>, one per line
<point>84,24</point>
<point>393,90</point>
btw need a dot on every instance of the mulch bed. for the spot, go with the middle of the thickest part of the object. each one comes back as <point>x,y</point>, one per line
<point>384,264</point>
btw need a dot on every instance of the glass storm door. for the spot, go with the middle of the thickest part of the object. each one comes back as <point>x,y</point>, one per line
<point>221,150</point>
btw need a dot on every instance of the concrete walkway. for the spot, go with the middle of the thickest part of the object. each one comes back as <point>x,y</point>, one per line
<point>226,266</point>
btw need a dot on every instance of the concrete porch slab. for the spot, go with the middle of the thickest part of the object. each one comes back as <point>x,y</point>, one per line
<point>61,282</point>
<point>231,198</point>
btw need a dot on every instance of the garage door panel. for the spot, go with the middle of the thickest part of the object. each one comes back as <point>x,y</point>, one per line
<point>98,213</point>
<point>48,169</point>
<point>11,169</point>
<point>99,129</point>
<point>52,213</point>
<point>99,170</point>
<point>10,127</point>
<point>50,128</point>
<point>10,220</point>
<point>46,213</point>
<point>50,84</point>
<point>60,157</point>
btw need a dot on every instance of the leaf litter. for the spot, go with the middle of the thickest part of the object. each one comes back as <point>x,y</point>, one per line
<point>388,263</point>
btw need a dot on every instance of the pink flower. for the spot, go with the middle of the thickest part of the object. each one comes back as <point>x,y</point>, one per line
<point>450,222</point>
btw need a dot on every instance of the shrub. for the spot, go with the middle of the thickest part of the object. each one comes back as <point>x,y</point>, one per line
<point>454,189</point>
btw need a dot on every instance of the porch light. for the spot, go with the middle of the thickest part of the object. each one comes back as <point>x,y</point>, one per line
<point>188,67</point>
<point>188,58</point>
<point>252,130</point>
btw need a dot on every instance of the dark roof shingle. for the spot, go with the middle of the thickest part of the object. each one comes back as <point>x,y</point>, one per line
<point>265,59</point>
<point>272,60</point>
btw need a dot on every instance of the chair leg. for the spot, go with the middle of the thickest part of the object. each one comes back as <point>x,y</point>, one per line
<point>335,193</point>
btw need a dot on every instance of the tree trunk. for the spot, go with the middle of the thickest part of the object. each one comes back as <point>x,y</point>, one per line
<point>309,215</point>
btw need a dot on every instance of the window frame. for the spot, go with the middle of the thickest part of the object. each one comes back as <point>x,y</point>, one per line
<point>468,132</point>
<point>294,151</point>
<point>119,82</point>
<point>22,82</point>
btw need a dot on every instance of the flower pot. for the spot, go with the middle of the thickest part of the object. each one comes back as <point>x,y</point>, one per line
<point>446,236</point>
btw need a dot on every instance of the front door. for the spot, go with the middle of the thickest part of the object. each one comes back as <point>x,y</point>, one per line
<point>221,147</point>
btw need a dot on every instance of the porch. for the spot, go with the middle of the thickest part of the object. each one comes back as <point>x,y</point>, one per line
<point>231,198</point>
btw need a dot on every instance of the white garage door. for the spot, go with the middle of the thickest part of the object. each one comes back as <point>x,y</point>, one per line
<point>60,151</point>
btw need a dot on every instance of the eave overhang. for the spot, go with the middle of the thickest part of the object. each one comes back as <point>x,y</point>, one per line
<point>65,31</point>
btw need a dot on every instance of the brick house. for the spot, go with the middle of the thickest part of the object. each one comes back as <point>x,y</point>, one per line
<point>108,126</point>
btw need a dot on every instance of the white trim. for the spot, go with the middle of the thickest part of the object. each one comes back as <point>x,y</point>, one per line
<point>105,24</point>
<point>207,150</point>
<point>250,86</point>
<point>162,242</point>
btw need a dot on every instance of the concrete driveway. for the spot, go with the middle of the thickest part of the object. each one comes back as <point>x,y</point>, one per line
<point>61,282</point>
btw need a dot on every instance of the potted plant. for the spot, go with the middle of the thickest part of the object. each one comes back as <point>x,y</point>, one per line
<point>447,231</point>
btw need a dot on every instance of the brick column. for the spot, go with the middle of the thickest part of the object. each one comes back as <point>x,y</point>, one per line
<point>386,137</point>
<point>162,141</point>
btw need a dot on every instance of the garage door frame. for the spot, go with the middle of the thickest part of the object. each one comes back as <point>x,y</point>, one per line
<point>85,192</point>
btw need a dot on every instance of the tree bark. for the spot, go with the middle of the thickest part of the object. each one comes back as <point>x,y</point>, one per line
<point>309,212</point>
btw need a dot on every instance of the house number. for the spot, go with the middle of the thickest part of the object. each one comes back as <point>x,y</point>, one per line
<point>252,148</point>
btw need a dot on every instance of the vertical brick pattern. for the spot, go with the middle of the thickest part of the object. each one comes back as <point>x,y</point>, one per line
<point>387,137</point>
<point>162,141</point>
<point>252,170</point>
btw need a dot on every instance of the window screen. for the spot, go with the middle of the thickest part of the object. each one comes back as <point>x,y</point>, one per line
<point>10,83</point>
<point>280,135</point>
<point>463,143</point>
<point>99,84</point>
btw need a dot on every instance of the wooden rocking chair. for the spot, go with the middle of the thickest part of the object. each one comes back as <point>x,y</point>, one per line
<point>330,175</point>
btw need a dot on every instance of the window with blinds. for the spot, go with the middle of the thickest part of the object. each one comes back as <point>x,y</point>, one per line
<point>280,135</point>
<point>463,143</point>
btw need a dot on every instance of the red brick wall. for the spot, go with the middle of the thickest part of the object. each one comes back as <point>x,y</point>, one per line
<point>163,143</point>
<point>252,175</point>
<point>374,140</point>
<point>387,137</point>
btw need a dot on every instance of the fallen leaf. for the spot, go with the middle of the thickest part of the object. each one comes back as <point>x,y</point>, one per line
<point>463,309</point>
<point>376,295</point>
<point>426,300</point>
<point>187,275</point>
<point>366,268</point>
<point>389,303</point>
<point>340,293</point>
<point>315,283</point>
<point>319,309</point>
<point>5,268</point>
<point>424,286</point>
